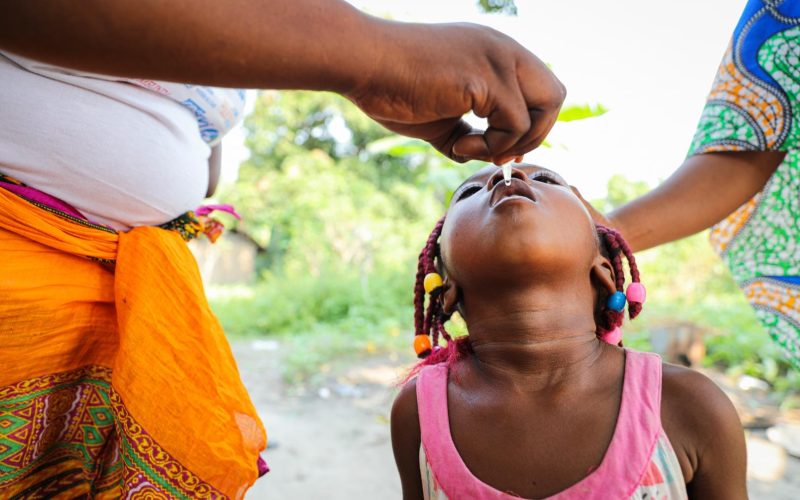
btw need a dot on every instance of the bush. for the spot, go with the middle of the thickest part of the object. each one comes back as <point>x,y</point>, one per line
<point>303,303</point>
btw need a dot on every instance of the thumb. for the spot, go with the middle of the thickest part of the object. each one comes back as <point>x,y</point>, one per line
<point>472,146</point>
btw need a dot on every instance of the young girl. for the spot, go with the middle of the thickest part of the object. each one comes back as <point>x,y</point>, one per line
<point>540,399</point>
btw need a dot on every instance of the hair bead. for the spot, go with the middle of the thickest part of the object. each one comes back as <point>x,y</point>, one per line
<point>636,293</point>
<point>616,301</point>
<point>422,345</point>
<point>432,282</point>
<point>613,336</point>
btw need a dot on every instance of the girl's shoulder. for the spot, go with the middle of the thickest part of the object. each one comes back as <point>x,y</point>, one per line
<point>405,403</point>
<point>699,419</point>
<point>689,397</point>
<point>406,438</point>
<point>405,416</point>
<point>405,409</point>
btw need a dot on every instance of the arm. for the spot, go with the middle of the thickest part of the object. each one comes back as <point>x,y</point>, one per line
<point>703,191</point>
<point>415,79</point>
<point>406,441</point>
<point>706,433</point>
<point>236,43</point>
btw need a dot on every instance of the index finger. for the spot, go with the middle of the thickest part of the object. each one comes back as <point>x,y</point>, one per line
<point>542,94</point>
<point>509,122</point>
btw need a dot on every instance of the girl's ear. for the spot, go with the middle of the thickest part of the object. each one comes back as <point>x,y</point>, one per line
<point>450,295</point>
<point>602,274</point>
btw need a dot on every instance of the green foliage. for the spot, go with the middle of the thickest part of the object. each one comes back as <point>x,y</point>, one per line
<point>299,303</point>
<point>498,7</point>
<point>620,191</point>
<point>321,319</point>
<point>327,190</point>
<point>574,112</point>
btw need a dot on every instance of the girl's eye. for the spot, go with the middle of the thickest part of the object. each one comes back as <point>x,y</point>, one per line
<point>467,192</point>
<point>545,178</point>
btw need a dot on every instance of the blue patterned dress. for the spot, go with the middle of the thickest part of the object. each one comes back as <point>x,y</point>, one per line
<point>753,106</point>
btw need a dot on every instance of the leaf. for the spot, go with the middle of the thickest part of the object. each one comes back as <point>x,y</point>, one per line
<point>498,7</point>
<point>575,112</point>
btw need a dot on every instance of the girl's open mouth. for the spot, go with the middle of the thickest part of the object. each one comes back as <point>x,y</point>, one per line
<point>517,189</point>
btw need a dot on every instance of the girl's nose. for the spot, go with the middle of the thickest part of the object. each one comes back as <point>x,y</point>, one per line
<point>498,176</point>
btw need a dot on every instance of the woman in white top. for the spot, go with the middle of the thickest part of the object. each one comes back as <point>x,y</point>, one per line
<point>116,379</point>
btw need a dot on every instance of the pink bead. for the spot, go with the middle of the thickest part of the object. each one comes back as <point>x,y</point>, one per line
<point>612,337</point>
<point>636,293</point>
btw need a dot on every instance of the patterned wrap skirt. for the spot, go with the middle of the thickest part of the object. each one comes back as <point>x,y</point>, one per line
<point>115,377</point>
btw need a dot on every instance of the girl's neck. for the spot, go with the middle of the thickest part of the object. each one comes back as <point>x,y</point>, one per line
<point>533,339</point>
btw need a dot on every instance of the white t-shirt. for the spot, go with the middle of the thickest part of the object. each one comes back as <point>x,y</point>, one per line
<point>124,153</point>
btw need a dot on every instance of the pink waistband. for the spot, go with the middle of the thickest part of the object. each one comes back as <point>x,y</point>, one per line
<point>42,198</point>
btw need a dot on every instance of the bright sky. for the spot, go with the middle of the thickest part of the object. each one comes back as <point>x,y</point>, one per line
<point>650,63</point>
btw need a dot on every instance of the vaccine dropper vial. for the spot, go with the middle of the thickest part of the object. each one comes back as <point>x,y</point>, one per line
<point>507,173</point>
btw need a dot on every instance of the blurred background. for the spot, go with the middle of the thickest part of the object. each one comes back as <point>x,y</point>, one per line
<point>314,285</point>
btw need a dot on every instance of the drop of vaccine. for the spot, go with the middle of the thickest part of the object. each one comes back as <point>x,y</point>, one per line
<point>507,173</point>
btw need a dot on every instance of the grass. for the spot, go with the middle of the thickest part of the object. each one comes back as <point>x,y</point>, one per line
<point>317,321</point>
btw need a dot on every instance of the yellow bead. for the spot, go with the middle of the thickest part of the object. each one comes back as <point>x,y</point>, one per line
<point>431,282</point>
<point>422,345</point>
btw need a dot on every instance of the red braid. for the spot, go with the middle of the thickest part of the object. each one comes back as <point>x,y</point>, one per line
<point>431,321</point>
<point>425,265</point>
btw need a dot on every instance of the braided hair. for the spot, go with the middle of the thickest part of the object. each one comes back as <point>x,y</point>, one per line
<point>612,245</point>
<point>430,321</point>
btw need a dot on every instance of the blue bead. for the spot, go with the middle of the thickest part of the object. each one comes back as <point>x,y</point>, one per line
<point>616,301</point>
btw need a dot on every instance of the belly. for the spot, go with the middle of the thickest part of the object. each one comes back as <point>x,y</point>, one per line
<point>121,155</point>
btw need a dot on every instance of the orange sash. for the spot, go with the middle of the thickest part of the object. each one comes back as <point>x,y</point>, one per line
<point>181,412</point>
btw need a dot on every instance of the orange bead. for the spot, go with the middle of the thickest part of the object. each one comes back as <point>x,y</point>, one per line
<point>422,345</point>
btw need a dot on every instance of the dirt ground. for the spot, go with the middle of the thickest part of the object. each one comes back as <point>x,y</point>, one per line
<point>330,439</point>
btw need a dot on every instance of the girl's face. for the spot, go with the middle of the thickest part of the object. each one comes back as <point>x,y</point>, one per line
<point>533,229</point>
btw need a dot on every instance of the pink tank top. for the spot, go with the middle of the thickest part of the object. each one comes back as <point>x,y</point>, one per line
<point>639,462</point>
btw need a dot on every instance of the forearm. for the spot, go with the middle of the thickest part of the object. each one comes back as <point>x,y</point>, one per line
<point>702,192</point>
<point>300,44</point>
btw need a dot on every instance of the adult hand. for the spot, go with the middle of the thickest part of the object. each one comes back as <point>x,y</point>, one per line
<point>429,76</point>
